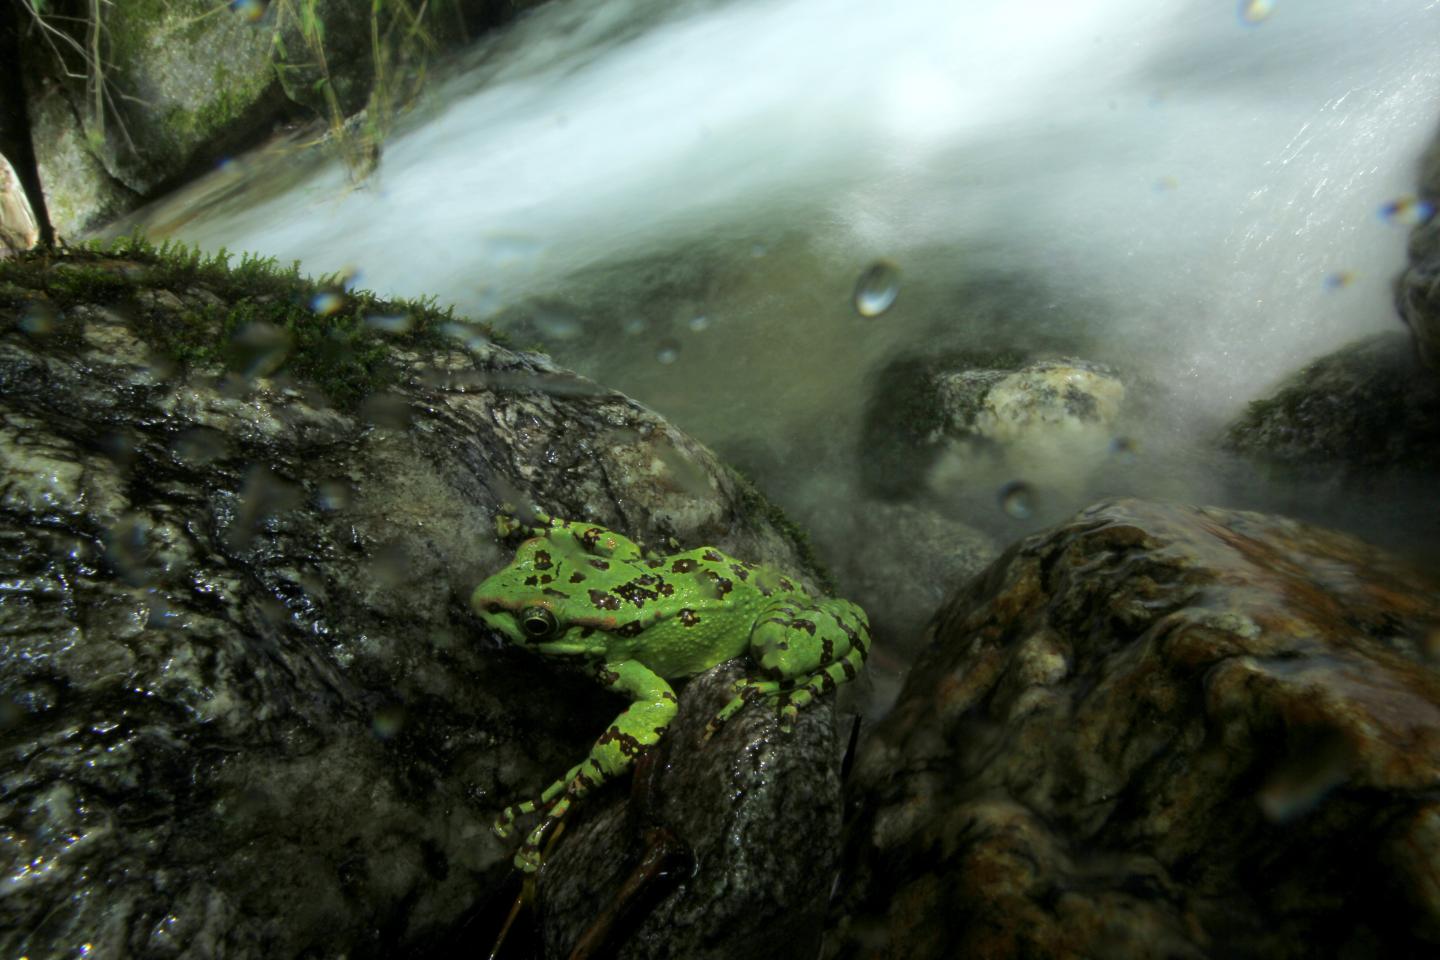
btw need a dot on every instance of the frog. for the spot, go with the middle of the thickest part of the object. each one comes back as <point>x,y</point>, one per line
<point>582,594</point>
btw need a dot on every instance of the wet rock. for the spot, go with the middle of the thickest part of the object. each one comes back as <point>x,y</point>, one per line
<point>17,224</point>
<point>1417,292</point>
<point>246,710</point>
<point>913,558</point>
<point>186,82</point>
<point>753,821</point>
<point>936,423</point>
<point>1369,406</point>
<point>1160,731</point>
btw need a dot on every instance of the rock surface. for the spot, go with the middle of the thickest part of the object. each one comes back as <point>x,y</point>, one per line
<point>1369,405</point>
<point>1417,289</point>
<point>936,422</point>
<point>246,711</point>
<point>1160,731</point>
<point>185,82</point>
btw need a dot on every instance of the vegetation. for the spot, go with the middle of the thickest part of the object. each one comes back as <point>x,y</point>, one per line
<point>263,318</point>
<point>81,37</point>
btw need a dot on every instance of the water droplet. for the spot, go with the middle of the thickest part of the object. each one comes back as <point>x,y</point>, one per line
<point>1017,499</point>
<point>388,721</point>
<point>1320,762</point>
<point>389,411</point>
<point>1253,12</point>
<point>130,550</point>
<point>1407,211</point>
<point>1124,449</point>
<point>38,319</point>
<point>391,323</point>
<point>1339,280</point>
<point>556,323</point>
<point>668,351</point>
<point>877,288</point>
<point>699,323</point>
<point>199,447</point>
<point>327,302</point>
<point>259,349</point>
<point>251,10</point>
<point>470,336</point>
<point>333,495</point>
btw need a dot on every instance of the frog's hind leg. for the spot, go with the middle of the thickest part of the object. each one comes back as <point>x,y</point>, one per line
<point>640,726</point>
<point>802,647</point>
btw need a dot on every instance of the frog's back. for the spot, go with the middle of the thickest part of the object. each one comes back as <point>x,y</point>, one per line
<point>712,603</point>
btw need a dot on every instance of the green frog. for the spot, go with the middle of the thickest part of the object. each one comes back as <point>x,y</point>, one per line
<point>581,593</point>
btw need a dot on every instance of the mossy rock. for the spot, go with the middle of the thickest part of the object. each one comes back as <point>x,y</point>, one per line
<point>1370,405</point>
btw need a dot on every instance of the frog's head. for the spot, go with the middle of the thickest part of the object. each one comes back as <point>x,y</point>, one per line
<point>538,601</point>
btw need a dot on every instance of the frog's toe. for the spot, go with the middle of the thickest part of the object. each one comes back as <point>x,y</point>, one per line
<point>788,715</point>
<point>527,860</point>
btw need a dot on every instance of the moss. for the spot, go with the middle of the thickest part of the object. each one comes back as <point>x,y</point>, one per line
<point>334,347</point>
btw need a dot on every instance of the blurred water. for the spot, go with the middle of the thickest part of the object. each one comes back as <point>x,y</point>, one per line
<point>683,200</point>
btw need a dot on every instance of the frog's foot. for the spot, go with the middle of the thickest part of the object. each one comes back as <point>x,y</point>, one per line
<point>745,690</point>
<point>508,522</point>
<point>528,858</point>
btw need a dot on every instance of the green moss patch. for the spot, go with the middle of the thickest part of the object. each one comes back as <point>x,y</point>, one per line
<point>255,317</point>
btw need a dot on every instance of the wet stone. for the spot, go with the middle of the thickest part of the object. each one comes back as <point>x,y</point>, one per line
<point>1160,730</point>
<point>227,729</point>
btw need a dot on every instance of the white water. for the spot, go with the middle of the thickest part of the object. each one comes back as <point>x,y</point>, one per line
<point>1201,175</point>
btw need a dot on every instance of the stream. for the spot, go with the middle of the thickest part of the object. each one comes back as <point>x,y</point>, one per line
<point>679,199</point>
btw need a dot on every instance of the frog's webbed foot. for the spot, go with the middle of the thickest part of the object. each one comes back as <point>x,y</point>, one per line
<point>803,649</point>
<point>509,522</point>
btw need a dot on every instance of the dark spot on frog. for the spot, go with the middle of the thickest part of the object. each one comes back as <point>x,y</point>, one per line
<point>494,606</point>
<point>629,746</point>
<point>807,625</point>
<point>666,589</point>
<point>712,555</point>
<point>654,564</point>
<point>688,617</point>
<point>683,566</point>
<point>786,584</point>
<point>827,650</point>
<point>604,601</point>
<point>552,592</point>
<point>531,580</point>
<point>590,537</point>
<point>632,629</point>
<point>577,577</point>
<point>542,560</point>
<point>599,564</point>
<point>850,671</point>
<point>739,570</point>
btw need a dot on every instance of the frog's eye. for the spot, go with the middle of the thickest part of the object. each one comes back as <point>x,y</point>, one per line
<point>537,622</point>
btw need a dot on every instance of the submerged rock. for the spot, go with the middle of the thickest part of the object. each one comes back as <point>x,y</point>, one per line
<point>935,423</point>
<point>1161,731</point>
<point>246,710</point>
<point>1369,405</point>
<point>1417,289</point>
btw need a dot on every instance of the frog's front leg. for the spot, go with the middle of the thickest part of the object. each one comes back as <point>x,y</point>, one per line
<point>803,647</point>
<point>637,728</point>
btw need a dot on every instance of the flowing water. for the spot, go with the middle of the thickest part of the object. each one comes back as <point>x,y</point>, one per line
<point>742,213</point>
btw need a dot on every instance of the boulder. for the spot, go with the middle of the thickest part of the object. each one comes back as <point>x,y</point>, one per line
<point>1368,407</point>
<point>964,420</point>
<point>246,710</point>
<point>1160,730</point>
<point>1417,289</point>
